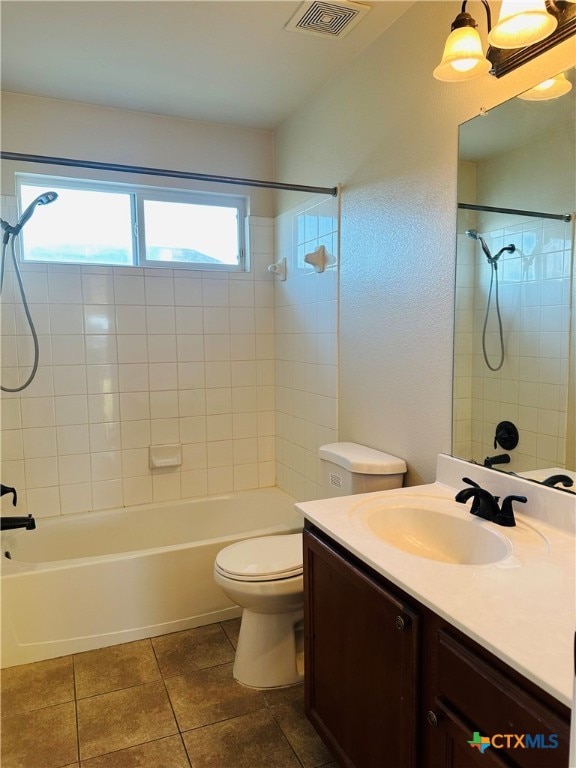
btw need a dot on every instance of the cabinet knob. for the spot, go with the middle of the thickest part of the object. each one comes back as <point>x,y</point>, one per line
<point>432,719</point>
<point>400,623</point>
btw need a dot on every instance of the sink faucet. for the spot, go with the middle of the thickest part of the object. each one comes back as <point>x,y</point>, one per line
<point>485,505</point>
<point>564,480</point>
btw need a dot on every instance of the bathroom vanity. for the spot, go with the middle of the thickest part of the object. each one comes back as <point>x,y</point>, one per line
<point>411,661</point>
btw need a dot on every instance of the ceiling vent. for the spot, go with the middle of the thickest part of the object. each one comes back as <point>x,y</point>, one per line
<point>327,19</point>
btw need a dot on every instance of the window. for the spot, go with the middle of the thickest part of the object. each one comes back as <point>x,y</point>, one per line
<point>102,223</point>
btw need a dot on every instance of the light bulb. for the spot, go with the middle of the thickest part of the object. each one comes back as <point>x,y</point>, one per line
<point>463,57</point>
<point>521,23</point>
<point>549,89</point>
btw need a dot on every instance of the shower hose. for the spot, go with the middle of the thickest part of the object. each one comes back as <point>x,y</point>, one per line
<point>493,285</point>
<point>26,311</point>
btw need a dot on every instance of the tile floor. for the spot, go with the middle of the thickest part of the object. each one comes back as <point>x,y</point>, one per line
<point>168,702</point>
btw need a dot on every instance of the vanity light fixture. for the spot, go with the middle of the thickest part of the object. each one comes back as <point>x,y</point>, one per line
<point>463,57</point>
<point>525,29</point>
<point>549,89</point>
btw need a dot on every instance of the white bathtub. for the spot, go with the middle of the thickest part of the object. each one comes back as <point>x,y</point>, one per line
<point>95,579</point>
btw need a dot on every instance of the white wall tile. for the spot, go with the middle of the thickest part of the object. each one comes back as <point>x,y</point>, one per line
<point>190,320</point>
<point>105,437</point>
<point>41,472</point>
<point>76,497</point>
<point>194,483</point>
<point>99,319</point>
<point>220,480</point>
<point>100,349</point>
<point>131,357</point>
<point>159,290</point>
<point>187,291</point>
<point>66,319</point>
<point>74,469</point>
<point>160,319</point>
<point>137,490</point>
<point>165,487</point>
<point>107,494</point>
<point>71,409</point>
<point>97,289</point>
<point>64,288</point>
<point>189,347</point>
<point>135,434</point>
<point>129,289</point>
<point>130,319</point>
<point>43,502</point>
<point>132,348</point>
<point>163,376</point>
<point>162,348</point>
<point>69,380</point>
<point>215,293</point>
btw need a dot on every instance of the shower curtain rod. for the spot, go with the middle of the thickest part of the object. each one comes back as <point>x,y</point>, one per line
<point>332,191</point>
<point>535,214</point>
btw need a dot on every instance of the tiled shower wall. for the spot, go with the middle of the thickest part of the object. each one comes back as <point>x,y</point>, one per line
<point>306,312</point>
<point>132,357</point>
<point>531,388</point>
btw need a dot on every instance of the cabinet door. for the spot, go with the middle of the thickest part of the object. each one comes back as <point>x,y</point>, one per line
<point>473,696</point>
<point>361,644</point>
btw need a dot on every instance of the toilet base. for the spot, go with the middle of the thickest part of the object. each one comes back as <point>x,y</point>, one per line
<point>270,649</point>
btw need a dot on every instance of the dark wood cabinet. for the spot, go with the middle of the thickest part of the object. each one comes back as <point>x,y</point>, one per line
<point>390,683</point>
<point>361,652</point>
<point>472,692</point>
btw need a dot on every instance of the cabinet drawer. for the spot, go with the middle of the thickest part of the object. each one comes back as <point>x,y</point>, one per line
<point>491,702</point>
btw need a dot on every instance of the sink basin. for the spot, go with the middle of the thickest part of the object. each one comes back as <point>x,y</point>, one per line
<point>433,528</point>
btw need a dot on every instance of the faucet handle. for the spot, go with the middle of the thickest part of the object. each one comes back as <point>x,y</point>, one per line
<point>7,489</point>
<point>470,482</point>
<point>506,514</point>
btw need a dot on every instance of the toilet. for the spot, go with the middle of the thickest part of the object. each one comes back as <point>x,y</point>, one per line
<point>265,575</point>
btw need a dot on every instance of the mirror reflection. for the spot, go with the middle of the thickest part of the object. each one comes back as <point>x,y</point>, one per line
<point>514,389</point>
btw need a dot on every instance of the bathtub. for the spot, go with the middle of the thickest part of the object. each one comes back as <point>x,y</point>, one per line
<point>95,579</point>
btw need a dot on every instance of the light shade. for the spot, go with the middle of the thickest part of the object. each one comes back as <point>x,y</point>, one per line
<point>549,89</point>
<point>522,23</point>
<point>463,57</point>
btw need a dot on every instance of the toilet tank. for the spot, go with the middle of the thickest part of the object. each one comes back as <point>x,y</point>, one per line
<point>349,468</point>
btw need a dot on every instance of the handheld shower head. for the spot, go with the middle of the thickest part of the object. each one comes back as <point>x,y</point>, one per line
<point>472,233</point>
<point>43,199</point>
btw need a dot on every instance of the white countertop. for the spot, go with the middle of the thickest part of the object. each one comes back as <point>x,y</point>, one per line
<point>521,608</point>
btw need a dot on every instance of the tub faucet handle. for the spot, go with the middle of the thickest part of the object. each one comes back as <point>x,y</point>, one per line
<point>7,489</point>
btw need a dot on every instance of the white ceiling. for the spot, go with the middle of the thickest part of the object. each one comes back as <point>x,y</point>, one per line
<point>226,61</point>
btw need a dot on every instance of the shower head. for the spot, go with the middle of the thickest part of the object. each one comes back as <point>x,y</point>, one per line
<point>472,233</point>
<point>43,199</point>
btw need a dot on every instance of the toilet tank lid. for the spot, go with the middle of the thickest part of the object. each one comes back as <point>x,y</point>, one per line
<point>361,459</point>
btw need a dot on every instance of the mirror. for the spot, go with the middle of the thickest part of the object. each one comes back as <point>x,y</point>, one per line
<point>515,328</point>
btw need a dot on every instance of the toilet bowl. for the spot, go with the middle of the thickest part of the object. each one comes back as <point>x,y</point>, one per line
<point>265,575</point>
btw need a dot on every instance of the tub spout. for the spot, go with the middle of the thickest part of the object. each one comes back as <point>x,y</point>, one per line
<point>9,523</point>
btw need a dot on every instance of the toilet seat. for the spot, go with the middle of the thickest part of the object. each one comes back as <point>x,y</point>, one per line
<point>267,558</point>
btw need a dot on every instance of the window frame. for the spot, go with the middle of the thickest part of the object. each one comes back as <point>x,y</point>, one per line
<point>139,193</point>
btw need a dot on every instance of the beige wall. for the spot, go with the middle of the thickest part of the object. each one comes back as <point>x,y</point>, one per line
<point>57,128</point>
<point>388,132</point>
